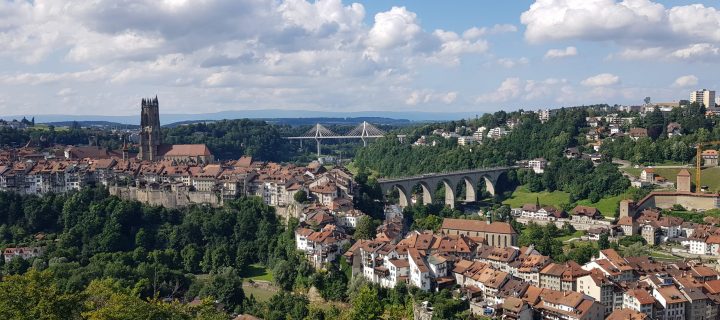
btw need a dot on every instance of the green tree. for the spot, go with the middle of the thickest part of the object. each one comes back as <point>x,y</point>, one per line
<point>365,305</point>
<point>108,300</point>
<point>604,242</point>
<point>365,228</point>
<point>300,196</point>
<point>17,265</point>
<point>284,274</point>
<point>226,286</point>
<point>629,240</point>
<point>34,295</point>
<point>636,249</point>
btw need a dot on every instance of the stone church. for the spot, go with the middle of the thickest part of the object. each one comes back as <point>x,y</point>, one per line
<point>151,146</point>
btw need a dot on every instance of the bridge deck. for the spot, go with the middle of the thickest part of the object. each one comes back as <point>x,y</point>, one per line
<point>443,174</point>
<point>332,137</point>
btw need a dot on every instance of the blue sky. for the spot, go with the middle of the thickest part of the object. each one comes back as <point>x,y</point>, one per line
<point>77,57</point>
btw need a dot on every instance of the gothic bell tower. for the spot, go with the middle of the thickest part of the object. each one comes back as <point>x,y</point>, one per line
<point>150,129</point>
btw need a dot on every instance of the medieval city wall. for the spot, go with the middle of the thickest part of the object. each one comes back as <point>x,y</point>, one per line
<point>688,201</point>
<point>166,198</point>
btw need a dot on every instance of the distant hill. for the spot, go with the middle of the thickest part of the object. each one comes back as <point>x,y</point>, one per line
<point>312,121</point>
<point>99,124</point>
<point>251,114</point>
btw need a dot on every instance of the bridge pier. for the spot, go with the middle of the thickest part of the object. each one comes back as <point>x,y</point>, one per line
<point>490,185</point>
<point>404,196</point>
<point>470,192</point>
<point>427,195</point>
<point>449,194</point>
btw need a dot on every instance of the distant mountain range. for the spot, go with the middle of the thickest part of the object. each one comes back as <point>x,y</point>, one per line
<point>274,114</point>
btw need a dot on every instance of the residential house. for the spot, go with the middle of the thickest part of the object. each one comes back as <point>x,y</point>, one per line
<point>710,158</point>
<point>637,133</point>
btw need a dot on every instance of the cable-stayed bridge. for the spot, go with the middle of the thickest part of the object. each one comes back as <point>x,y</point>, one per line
<point>363,131</point>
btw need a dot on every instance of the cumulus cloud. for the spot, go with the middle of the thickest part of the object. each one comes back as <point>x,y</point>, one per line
<point>697,52</point>
<point>509,89</point>
<point>398,31</point>
<point>561,53</point>
<point>511,63</point>
<point>685,81</point>
<point>640,53</point>
<point>429,96</point>
<point>593,20</point>
<point>601,80</point>
<point>521,91</point>
<point>282,52</point>
<point>475,32</point>
<point>646,29</point>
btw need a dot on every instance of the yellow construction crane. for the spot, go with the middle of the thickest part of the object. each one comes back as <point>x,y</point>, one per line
<point>698,162</point>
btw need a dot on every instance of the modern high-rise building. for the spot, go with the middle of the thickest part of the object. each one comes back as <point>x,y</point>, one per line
<point>150,138</point>
<point>704,96</point>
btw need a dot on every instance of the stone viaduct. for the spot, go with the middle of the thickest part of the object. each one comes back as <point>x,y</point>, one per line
<point>429,182</point>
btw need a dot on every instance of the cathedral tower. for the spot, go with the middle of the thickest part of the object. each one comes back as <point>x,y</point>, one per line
<point>150,137</point>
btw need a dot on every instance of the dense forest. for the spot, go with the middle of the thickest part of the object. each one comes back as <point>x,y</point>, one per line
<point>231,139</point>
<point>658,147</point>
<point>48,136</point>
<point>107,258</point>
<point>151,251</point>
<point>529,140</point>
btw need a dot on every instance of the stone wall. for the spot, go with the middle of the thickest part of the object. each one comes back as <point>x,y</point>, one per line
<point>166,198</point>
<point>689,201</point>
<point>561,222</point>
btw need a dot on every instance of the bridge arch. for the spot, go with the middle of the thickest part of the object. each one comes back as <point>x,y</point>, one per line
<point>450,186</point>
<point>450,180</point>
<point>470,189</point>
<point>489,183</point>
<point>404,195</point>
<point>427,192</point>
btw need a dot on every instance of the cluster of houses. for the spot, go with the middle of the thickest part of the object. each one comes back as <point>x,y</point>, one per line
<point>585,218</point>
<point>24,253</point>
<point>276,184</point>
<point>500,279</point>
<point>468,136</point>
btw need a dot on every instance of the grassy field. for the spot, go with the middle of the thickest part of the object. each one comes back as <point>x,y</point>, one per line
<point>577,234</point>
<point>710,176</point>
<point>257,272</point>
<point>663,256</point>
<point>522,195</point>
<point>607,206</point>
<point>45,127</point>
<point>260,294</point>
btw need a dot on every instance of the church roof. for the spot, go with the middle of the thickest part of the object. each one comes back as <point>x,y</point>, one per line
<point>184,150</point>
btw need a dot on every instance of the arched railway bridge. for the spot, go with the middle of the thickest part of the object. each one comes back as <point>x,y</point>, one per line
<point>429,182</point>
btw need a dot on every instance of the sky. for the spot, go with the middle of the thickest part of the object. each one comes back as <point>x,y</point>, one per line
<point>101,57</point>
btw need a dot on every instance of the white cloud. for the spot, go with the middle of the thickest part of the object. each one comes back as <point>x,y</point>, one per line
<point>593,20</point>
<point>601,80</point>
<point>475,32</point>
<point>561,53</point>
<point>509,89</point>
<point>398,31</point>
<point>697,52</point>
<point>64,92</point>
<point>511,63</point>
<point>647,29</point>
<point>515,90</point>
<point>685,81</point>
<point>226,53</point>
<point>429,96</point>
<point>640,53</point>
<point>394,28</point>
